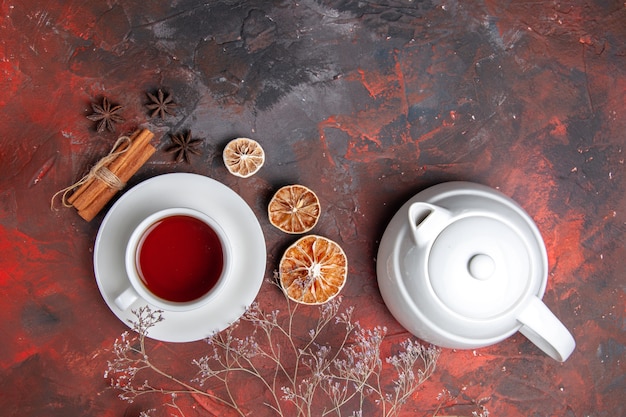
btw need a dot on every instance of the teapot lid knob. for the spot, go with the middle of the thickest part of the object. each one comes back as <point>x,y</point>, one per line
<point>481,266</point>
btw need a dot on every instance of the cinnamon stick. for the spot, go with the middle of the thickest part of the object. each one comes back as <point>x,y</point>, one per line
<point>138,141</point>
<point>95,193</point>
<point>77,193</point>
<point>90,210</point>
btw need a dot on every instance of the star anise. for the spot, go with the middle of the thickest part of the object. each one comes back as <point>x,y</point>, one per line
<point>106,114</point>
<point>183,145</point>
<point>161,104</point>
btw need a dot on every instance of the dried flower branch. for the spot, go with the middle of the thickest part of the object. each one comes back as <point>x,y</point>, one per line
<point>131,358</point>
<point>302,373</point>
<point>447,400</point>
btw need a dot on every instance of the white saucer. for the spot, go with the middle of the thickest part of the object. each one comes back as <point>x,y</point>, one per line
<point>205,195</point>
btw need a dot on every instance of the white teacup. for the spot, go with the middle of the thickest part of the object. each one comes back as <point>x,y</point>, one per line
<point>177,259</point>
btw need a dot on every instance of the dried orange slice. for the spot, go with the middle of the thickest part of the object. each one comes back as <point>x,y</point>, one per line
<point>294,209</point>
<point>243,157</point>
<point>313,270</point>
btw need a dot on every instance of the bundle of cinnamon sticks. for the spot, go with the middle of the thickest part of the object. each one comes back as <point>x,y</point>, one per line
<point>127,158</point>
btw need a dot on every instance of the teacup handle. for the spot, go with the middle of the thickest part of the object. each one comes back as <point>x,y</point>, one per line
<point>426,221</point>
<point>126,298</point>
<point>545,330</point>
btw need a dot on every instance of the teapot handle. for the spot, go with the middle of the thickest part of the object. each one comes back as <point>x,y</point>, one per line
<point>545,330</point>
<point>426,221</point>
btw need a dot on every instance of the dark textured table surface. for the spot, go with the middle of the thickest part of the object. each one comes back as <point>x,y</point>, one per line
<point>365,102</point>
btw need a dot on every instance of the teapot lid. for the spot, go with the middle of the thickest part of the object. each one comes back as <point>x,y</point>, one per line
<point>480,266</point>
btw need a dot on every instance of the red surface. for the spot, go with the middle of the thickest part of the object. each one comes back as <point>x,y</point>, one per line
<point>365,104</point>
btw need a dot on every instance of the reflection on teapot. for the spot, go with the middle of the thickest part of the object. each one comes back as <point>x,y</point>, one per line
<point>463,266</point>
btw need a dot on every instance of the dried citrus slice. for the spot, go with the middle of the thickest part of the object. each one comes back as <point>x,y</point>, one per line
<point>294,209</point>
<point>313,270</point>
<point>243,157</point>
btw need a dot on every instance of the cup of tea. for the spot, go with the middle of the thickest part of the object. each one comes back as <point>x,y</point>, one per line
<point>177,259</point>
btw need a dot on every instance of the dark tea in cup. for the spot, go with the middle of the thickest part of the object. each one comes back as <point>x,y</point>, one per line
<point>179,258</point>
<point>176,259</point>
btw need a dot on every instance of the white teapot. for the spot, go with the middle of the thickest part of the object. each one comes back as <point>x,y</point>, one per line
<point>463,266</point>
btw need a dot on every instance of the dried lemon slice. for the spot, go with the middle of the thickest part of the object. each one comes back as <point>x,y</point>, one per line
<point>313,270</point>
<point>294,209</point>
<point>243,157</point>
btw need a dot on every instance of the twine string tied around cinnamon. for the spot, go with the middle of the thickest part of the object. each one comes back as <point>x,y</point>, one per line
<point>98,171</point>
